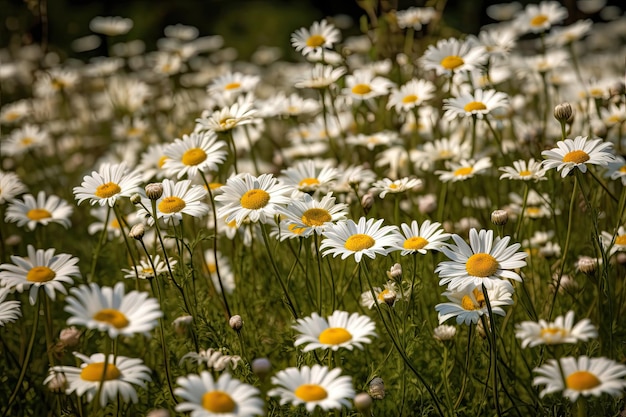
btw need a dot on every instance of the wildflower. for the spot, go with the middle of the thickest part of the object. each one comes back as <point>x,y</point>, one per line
<point>410,95</point>
<point>309,215</point>
<point>316,386</point>
<point>524,171</point>
<point>486,261</point>
<point>213,358</point>
<point>452,55</point>
<point>145,270</point>
<point>577,153</point>
<point>24,139</point>
<point>42,268</point>
<point>320,76</point>
<point>238,114</point>
<point>108,184</point>
<point>235,322</point>
<point>614,242</point>
<point>388,290</point>
<point>41,211</point>
<point>198,152</point>
<point>119,376</point>
<point>111,25</point>
<point>444,332</point>
<point>111,310</point>
<point>581,376</point>
<point>70,336</point>
<point>340,330</point>
<point>321,35</point>
<point>10,186</point>
<point>229,86</point>
<point>537,205</point>
<point>537,18</point>
<point>441,150</point>
<point>226,274</point>
<point>469,303</point>
<point>366,237</point>
<point>377,388</point>
<point>152,161</point>
<point>499,217</point>
<point>178,198</point>
<point>460,171</point>
<point>9,309</point>
<point>305,177</point>
<point>415,17</point>
<point>372,140</point>
<point>363,85</point>
<point>478,104</point>
<point>388,186</point>
<point>562,330</point>
<point>428,236</point>
<point>14,112</point>
<point>206,397</point>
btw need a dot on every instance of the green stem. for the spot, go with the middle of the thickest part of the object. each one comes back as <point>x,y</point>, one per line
<point>107,351</point>
<point>96,253</point>
<point>521,215</point>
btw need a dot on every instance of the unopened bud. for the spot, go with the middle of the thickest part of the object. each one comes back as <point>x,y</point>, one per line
<point>235,322</point>
<point>427,204</point>
<point>135,198</point>
<point>395,271</point>
<point>499,217</point>
<point>363,403</point>
<point>137,231</point>
<point>444,332</point>
<point>367,202</point>
<point>563,111</point>
<point>377,388</point>
<point>154,190</point>
<point>70,336</point>
<point>261,367</point>
<point>56,382</point>
<point>587,265</point>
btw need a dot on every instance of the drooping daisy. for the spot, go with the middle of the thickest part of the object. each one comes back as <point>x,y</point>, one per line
<point>389,186</point>
<point>483,261</point>
<point>145,269</point>
<point>524,171</point>
<point>581,376</point>
<point>577,153</point>
<point>42,268</point>
<point>9,310</point>
<point>540,17</point>
<point>106,185</point>
<point>309,215</point>
<point>366,237</point>
<point>197,152</point>
<point>306,177</point>
<point>428,236</point>
<point>363,85</point>
<point>410,95</point>
<point>111,310</point>
<point>120,375</point>
<point>321,35</point>
<point>10,186</point>
<point>251,198</point>
<point>468,304</point>
<point>452,55</point>
<point>479,104</point>
<point>178,198</point>
<point>206,397</point>
<point>316,386</point>
<point>389,290</point>
<point>321,76</point>
<point>562,330</point>
<point>238,114</point>
<point>340,330</point>
<point>226,274</point>
<point>464,169</point>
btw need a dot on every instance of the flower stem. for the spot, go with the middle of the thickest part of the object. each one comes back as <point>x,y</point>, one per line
<point>96,253</point>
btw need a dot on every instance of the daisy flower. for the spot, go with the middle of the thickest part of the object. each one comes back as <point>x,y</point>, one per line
<point>226,274</point>
<point>249,198</point>
<point>9,310</point>
<point>415,17</point>
<point>614,242</point>
<point>354,176</point>
<point>198,152</point>
<point>452,55</point>
<point>363,84</point>
<point>577,153</point>
<point>321,35</point>
<point>340,330</point>
<point>366,237</point>
<point>14,112</point>
<point>540,17</point>
<point>562,36</point>
<point>120,376</point>
<point>178,198</point>
<point>428,236</point>
<point>478,104</point>
<point>111,25</point>
<point>206,397</point>
<point>484,261</point>
<point>562,330</point>
<point>213,359</point>
<point>10,186</point>
<point>316,386</point>
<point>390,289</point>
<point>309,216</point>
<point>306,177</point>
<point>388,186</point>
<point>320,76</point>
<point>42,268</point>
<point>464,169</point>
<point>372,140</point>
<point>444,332</point>
<point>524,171</point>
<point>443,149</point>
<point>41,211</point>
<point>111,310</point>
<point>238,114</point>
<point>581,376</point>
<point>106,185</point>
<point>469,303</point>
<point>411,95</point>
<point>151,162</point>
<point>230,85</point>
<point>24,139</point>
<point>145,270</point>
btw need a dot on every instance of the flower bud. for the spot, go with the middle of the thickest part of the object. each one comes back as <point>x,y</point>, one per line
<point>395,271</point>
<point>137,231</point>
<point>70,336</point>
<point>160,412</point>
<point>367,202</point>
<point>377,388</point>
<point>363,403</point>
<point>499,217</point>
<point>261,367</point>
<point>427,204</point>
<point>587,265</point>
<point>154,190</point>
<point>135,198</point>
<point>563,111</point>
<point>56,382</point>
<point>444,332</point>
<point>235,322</point>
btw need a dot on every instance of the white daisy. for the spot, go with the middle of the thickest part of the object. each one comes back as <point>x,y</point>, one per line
<point>24,139</point>
<point>178,198</point>
<point>120,374</point>
<point>41,211</point>
<point>468,304</point>
<point>145,269</point>
<point>524,171</point>
<point>151,163</point>
<point>14,112</point>
<point>366,237</point>
<point>238,114</point>
<point>214,359</point>
<point>307,177</point>
<point>464,169</point>
<point>308,215</point>
<point>9,309</point>
<point>340,330</point>
<point>226,275</point>
<point>443,149</point>
<point>321,35</point>
<point>540,17</point>
<point>197,152</point>
<point>320,76</point>
<point>111,25</point>
<point>562,330</point>
<point>452,55</point>
<point>389,186</point>
<point>412,94</point>
<point>485,261</point>
<point>315,386</point>
<point>428,236</point>
<point>42,268</point>
<point>227,87</point>
<point>415,17</point>
<point>390,289</point>
<point>111,310</point>
<point>363,85</point>
<point>206,397</point>
<point>373,140</point>
<point>577,153</point>
<point>480,103</point>
<point>10,186</point>
<point>614,242</point>
<point>581,376</point>
<point>106,185</point>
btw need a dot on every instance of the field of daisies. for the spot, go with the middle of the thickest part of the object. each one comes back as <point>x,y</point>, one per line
<point>410,221</point>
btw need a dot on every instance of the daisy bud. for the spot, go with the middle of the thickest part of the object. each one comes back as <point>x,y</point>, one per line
<point>235,322</point>
<point>137,231</point>
<point>599,128</point>
<point>181,324</point>
<point>395,271</point>
<point>70,336</point>
<point>586,265</point>
<point>499,217</point>
<point>377,388</point>
<point>367,201</point>
<point>444,332</point>
<point>135,198</point>
<point>363,403</point>
<point>261,367</point>
<point>563,111</point>
<point>154,190</point>
<point>56,382</point>
<point>13,240</point>
<point>427,204</point>
<point>621,258</point>
<point>161,412</point>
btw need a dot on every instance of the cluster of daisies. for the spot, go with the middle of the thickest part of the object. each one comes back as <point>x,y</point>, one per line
<point>183,162</point>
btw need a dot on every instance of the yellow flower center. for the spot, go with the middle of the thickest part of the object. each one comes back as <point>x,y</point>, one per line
<point>161,161</point>
<point>40,274</point>
<point>147,271</point>
<point>552,331</point>
<point>577,157</point>
<point>525,173</point>
<point>11,117</point>
<point>310,392</point>
<point>481,265</point>
<point>582,380</point>
<point>38,214</point>
<point>171,204</point>
<point>468,304</point>
<point>393,186</point>
<point>114,224</point>
<point>533,211</point>
<point>26,141</point>
<point>451,62</point>
<point>361,89</point>
<point>620,240</point>
<point>193,156</point>
<point>538,20</point>
<point>232,86</point>
<point>411,98</point>
<point>359,242</point>
<point>215,185</point>
<point>334,336</point>
<point>218,402</point>
<point>307,182</point>
<point>113,317</point>
<point>315,217</point>
<point>463,171</point>
<point>107,190</point>
<point>315,41</point>
<point>622,169</point>
<point>415,243</point>
<point>255,199</point>
<point>474,106</point>
<point>295,229</point>
<point>381,295</point>
<point>95,372</point>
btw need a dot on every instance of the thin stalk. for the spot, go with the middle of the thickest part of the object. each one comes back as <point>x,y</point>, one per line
<point>494,351</point>
<point>520,220</point>
<point>107,351</point>
<point>96,253</point>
